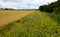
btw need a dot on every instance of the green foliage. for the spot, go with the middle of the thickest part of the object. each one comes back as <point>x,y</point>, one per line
<point>54,6</point>
<point>46,8</point>
<point>55,16</point>
<point>36,24</point>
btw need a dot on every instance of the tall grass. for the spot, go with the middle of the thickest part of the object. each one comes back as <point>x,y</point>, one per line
<point>55,17</point>
<point>36,24</point>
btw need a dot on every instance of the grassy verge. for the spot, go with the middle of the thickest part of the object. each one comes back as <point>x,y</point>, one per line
<point>55,17</point>
<point>36,24</point>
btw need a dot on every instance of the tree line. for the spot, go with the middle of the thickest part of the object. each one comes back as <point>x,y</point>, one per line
<point>54,6</point>
<point>6,9</point>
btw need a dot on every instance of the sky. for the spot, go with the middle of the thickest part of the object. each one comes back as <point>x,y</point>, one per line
<point>23,4</point>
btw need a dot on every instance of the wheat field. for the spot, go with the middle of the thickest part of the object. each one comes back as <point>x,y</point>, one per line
<point>7,16</point>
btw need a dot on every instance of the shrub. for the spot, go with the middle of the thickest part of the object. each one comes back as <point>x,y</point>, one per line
<point>54,6</point>
<point>46,8</point>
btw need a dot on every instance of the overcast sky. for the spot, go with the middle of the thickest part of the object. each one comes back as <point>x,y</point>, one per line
<point>23,4</point>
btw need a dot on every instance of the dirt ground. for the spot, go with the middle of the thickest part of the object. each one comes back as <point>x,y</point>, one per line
<point>7,16</point>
